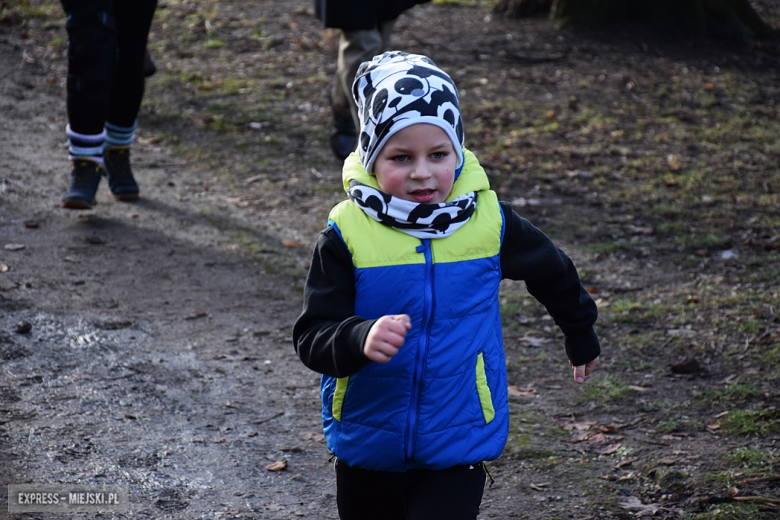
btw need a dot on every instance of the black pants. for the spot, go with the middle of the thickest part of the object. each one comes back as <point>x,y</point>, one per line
<point>451,494</point>
<point>114,87</point>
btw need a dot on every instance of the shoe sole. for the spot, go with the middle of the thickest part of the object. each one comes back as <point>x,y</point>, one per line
<point>125,197</point>
<point>76,204</point>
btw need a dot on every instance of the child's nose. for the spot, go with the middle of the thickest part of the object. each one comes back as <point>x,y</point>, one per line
<point>420,171</point>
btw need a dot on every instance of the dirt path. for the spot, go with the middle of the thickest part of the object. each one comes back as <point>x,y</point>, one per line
<point>159,352</point>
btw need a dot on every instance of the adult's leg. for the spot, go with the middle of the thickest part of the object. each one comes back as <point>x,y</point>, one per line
<point>91,59</point>
<point>134,18</point>
<point>355,47</point>
<point>450,494</point>
<point>92,50</point>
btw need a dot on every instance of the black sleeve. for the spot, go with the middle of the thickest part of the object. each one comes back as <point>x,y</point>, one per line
<point>528,254</point>
<point>328,337</point>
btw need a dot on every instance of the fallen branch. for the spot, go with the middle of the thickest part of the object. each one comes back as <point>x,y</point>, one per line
<point>761,500</point>
<point>761,479</point>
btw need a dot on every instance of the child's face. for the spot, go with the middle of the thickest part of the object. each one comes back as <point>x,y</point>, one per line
<point>417,164</point>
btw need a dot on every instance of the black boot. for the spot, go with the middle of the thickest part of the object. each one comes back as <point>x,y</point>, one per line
<point>84,179</point>
<point>343,137</point>
<point>116,160</point>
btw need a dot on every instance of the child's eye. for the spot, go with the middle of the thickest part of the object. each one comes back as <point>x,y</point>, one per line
<point>439,155</point>
<point>401,158</point>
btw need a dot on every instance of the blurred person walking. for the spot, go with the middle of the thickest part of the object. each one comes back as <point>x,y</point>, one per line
<point>366,27</point>
<point>106,55</point>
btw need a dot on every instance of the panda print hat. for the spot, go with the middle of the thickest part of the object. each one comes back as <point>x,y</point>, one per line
<point>396,90</point>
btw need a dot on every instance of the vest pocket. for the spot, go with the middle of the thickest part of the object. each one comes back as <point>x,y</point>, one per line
<point>338,397</point>
<point>485,396</point>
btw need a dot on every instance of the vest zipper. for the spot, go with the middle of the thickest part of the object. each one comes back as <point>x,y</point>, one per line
<point>422,351</point>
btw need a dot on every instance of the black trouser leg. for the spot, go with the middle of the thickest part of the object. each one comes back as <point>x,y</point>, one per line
<point>450,494</point>
<point>133,20</point>
<point>92,48</point>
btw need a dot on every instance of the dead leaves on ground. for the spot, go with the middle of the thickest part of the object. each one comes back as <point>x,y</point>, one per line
<point>602,439</point>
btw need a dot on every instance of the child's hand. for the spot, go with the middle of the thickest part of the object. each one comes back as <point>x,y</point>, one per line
<point>583,370</point>
<point>386,337</point>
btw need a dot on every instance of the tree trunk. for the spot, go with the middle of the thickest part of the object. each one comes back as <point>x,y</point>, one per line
<point>522,8</point>
<point>733,19</point>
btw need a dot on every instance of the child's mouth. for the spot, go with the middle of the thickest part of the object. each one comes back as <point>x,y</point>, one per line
<point>423,195</point>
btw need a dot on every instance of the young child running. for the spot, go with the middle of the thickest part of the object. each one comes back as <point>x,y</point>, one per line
<point>401,311</point>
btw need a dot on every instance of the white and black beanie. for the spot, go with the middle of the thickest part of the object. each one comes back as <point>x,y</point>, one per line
<point>396,90</point>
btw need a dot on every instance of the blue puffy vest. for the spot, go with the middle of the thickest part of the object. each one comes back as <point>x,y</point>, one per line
<point>442,400</point>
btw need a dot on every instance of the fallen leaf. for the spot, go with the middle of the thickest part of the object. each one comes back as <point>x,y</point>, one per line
<point>312,436</point>
<point>593,290</point>
<point>14,247</point>
<point>532,341</point>
<point>670,181</point>
<point>609,449</point>
<point>539,487</point>
<point>579,425</point>
<point>622,463</point>
<point>579,436</point>
<point>597,438</point>
<point>255,178</point>
<point>279,465</point>
<point>525,392</point>
<point>290,243</point>
<point>641,230</point>
<point>634,504</point>
<point>709,86</point>
<point>638,388</point>
<point>713,427</point>
<point>673,161</point>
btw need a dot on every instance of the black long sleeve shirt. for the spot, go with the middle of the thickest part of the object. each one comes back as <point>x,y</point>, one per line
<point>329,338</point>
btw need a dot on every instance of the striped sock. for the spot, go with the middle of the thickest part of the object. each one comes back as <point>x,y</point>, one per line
<point>119,136</point>
<point>82,146</point>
